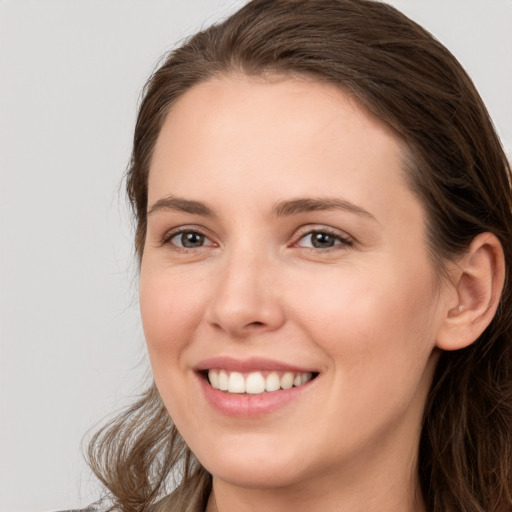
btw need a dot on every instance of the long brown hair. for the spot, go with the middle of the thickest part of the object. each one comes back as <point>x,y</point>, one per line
<point>458,170</point>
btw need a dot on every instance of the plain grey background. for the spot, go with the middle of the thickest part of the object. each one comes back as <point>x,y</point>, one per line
<point>72,347</point>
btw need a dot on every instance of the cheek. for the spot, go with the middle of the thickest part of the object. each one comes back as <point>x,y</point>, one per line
<point>378,334</point>
<point>170,309</point>
<point>377,319</point>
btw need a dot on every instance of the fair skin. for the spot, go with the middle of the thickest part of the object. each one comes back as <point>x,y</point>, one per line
<point>281,233</point>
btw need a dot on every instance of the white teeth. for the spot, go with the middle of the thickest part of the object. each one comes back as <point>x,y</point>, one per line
<point>236,383</point>
<point>272,382</point>
<point>304,377</point>
<point>213,376</point>
<point>255,383</point>
<point>223,381</point>
<point>287,380</point>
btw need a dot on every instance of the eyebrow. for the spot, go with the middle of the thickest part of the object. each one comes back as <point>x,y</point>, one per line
<point>303,205</point>
<point>280,209</point>
<point>180,205</point>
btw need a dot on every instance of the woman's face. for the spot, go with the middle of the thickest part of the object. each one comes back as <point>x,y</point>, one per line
<point>284,245</point>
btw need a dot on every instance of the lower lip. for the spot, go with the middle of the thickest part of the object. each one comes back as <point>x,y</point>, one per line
<point>246,405</point>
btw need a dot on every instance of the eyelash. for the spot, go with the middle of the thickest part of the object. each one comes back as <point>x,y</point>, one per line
<point>167,239</point>
<point>340,241</point>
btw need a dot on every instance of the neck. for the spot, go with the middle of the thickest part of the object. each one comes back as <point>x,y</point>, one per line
<point>376,492</point>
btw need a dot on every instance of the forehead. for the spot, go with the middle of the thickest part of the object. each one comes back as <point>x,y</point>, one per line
<point>248,105</point>
<point>275,137</point>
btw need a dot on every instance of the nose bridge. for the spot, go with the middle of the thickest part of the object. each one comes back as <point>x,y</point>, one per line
<point>245,300</point>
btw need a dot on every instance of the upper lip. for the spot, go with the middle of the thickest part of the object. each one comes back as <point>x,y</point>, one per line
<point>249,365</point>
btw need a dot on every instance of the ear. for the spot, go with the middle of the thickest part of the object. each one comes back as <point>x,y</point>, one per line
<point>477,280</point>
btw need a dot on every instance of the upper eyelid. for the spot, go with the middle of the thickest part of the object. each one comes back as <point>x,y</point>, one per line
<point>318,228</point>
<point>298,233</point>
<point>171,233</point>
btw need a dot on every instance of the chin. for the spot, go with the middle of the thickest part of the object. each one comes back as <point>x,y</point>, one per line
<point>253,467</point>
<point>249,475</point>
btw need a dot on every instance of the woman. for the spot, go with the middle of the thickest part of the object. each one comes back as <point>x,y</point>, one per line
<point>324,222</point>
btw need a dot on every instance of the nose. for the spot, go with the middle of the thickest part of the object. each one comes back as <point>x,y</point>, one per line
<point>246,298</point>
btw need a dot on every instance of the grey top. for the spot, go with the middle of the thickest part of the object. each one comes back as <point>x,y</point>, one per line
<point>90,508</point>
<point>194,503</point>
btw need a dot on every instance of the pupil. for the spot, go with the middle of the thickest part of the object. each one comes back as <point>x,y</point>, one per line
<point>322,240</point>
<point>192,239</point>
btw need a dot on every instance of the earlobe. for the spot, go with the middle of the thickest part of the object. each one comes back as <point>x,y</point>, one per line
<point>478,282</point>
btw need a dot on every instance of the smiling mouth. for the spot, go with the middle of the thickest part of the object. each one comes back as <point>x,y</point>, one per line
<point>256,383</point>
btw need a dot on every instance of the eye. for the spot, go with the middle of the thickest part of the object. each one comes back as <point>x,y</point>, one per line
<point>322,240</point>
<point>189,240</point>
